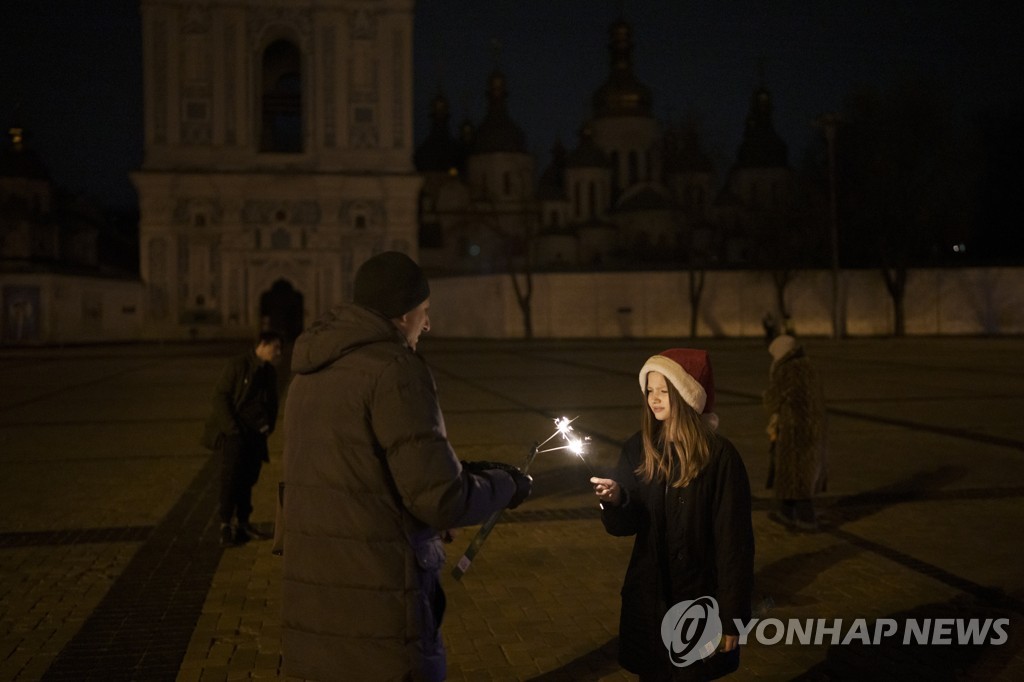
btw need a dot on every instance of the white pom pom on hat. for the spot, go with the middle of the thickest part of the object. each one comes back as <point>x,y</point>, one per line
<point>689,371</point>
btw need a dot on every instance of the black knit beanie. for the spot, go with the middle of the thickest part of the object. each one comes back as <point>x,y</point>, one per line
<point>390,283</point>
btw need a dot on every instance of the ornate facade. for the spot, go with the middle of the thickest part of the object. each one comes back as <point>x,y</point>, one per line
<point>278,157</point>
<point>632,193</point>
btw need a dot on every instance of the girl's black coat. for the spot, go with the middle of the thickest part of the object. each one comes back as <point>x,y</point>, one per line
<point>690,542</point>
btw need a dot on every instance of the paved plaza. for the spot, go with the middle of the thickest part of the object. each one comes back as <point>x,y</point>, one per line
<point>110,567</point>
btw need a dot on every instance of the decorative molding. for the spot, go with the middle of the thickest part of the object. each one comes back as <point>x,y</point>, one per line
<point>261,212</point>
<point>328,72</point>
<point>262,19</point>
<point>399,89</point>
<point>363,81</point>
<point>182,269</point>
<point>362,136</point>
<point>373,213</point>
<point>186,209</point>
<point>216,261</point>
<point>231,80</point>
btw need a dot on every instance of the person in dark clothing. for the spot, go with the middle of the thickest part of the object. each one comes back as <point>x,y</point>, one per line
<point>243,415</point>
<point>683,491</point>
<point>371,483</point>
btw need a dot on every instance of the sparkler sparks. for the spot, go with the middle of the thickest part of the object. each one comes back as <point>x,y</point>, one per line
<point>563,426</point>
<point>576,445</point>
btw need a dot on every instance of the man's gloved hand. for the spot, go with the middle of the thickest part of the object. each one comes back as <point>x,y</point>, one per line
<point>524,483</point>
<point>524,486</point>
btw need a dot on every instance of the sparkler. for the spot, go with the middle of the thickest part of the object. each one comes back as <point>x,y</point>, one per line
<point>576,446</point>
<point>563,427</point>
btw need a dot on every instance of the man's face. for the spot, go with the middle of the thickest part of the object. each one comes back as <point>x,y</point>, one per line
<point>414,323</point>
<point>269,351</point>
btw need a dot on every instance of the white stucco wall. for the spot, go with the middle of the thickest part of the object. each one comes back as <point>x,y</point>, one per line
<point>595,305</point>
<point>76,309</point>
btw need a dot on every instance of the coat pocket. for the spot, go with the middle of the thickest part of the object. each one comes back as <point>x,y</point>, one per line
<point>429,554</point>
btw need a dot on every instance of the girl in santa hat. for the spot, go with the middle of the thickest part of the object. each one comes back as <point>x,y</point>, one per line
<point>683,491</point>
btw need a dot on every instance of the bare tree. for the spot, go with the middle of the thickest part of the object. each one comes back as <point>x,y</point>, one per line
<point>519,266</point>
<point>515,232</point>
<point>696,290</point>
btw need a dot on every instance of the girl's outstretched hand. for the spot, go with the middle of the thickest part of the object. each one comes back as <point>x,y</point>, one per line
<point>607,490</point>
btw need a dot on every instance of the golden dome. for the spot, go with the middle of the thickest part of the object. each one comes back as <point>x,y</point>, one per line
<point>622,94</point>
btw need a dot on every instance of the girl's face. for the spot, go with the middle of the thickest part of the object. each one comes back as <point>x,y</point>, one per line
<point>657,396</point>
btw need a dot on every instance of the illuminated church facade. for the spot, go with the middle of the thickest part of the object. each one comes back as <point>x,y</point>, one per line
<point>278,156</point>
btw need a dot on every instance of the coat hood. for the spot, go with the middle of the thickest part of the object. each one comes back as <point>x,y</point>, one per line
<point>339,332</point>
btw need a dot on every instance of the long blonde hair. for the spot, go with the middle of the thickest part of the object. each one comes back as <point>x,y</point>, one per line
<point>677,449</point>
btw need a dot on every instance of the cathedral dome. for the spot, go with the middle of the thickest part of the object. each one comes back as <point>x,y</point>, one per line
<point>498,132</point>
<point>440,151</point>
<point>622,94</point>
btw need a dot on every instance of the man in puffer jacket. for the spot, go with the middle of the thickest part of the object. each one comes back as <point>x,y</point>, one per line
<point>371,481</point>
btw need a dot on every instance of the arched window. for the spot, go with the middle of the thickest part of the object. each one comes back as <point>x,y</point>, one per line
<point>281,99</point>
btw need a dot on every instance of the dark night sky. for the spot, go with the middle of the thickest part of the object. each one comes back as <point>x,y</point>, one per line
<point>72,75</point>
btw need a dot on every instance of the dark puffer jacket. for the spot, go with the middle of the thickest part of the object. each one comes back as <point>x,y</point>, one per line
<point>690,542</point>
<point>370,480</point>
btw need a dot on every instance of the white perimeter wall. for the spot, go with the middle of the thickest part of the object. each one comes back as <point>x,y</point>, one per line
<point>78,309</point>
<point>966,301</point>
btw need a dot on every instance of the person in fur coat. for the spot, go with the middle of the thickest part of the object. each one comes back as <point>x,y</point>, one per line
<point>796,430</point>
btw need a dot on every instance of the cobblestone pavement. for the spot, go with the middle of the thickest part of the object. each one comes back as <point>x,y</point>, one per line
<point>110,567</point>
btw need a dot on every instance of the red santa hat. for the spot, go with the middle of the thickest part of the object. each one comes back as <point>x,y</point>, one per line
<point>689,371</point>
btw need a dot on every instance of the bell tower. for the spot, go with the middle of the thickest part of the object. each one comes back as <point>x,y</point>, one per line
<point>278,154</point>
